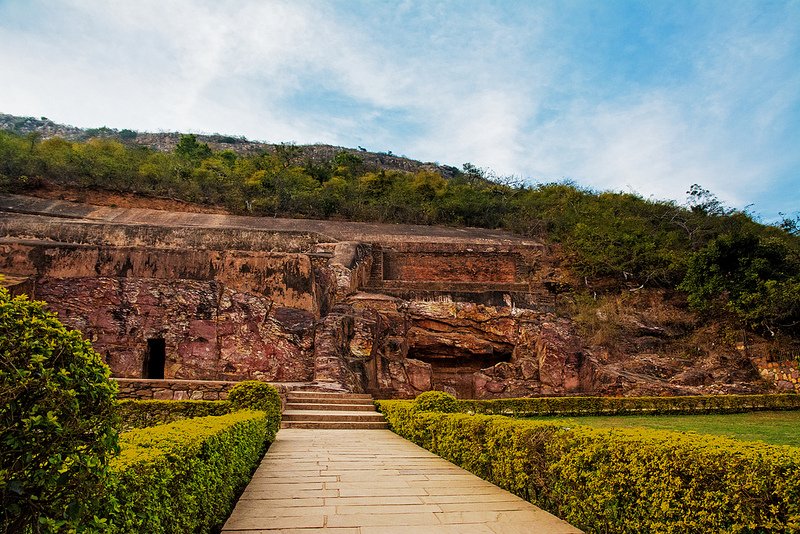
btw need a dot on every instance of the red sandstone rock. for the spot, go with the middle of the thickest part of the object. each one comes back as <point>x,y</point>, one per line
<point>395,315</point>
<point>419,374</point>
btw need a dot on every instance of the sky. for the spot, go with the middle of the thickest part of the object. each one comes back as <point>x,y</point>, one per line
<point>646,96</point>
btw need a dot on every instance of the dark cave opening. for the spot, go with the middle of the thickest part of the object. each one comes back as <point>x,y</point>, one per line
<point>453,367</point>
<point>154,359</point>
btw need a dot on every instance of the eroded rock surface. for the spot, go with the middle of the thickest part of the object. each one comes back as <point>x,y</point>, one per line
<point>392,310</point>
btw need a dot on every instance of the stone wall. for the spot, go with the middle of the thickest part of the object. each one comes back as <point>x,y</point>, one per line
<point>785,375</point>
<point>142,389</point>
<point>466,316</point>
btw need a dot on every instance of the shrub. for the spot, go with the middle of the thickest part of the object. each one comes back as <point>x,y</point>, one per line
<point>255,395</point>
<point>185,476</point>
<point>570,406</point>
<point>436,401</point>
<point>58,427</point>
<point>756,279</point>
<point>145,413</point>
<point>613,480</point>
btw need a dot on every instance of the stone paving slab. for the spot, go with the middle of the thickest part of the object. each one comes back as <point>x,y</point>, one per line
<point>375,482</point>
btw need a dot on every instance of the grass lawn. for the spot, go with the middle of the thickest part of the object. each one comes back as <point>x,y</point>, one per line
<point>777,428</point>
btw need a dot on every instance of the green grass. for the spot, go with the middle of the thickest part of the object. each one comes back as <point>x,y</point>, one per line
<point>776,428</point>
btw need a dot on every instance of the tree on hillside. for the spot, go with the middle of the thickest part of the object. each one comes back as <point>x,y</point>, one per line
<point>703,201</point>
<point>756,280</point>
<point>188,147</point>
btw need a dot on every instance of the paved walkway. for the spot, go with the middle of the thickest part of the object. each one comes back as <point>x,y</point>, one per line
<point>375,482</point>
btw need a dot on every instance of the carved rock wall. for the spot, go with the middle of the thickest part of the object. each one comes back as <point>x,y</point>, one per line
<point>220,314</point>
<point>227,314</point>
<point>286,279</point>
<point>392,310</point>
<point>210,332</point>
<point>468,349</point>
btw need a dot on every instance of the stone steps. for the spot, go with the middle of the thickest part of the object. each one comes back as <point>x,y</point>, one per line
<point>333,407</point>
<point>335,425</point>
<point>295,398</point>
<point>330,410</point>
<point>330,415</point>
<point>329,396</point>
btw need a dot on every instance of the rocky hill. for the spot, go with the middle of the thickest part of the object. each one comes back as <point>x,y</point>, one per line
<point>228,259</point>
<point>390,309</point>
<point>167,141</point>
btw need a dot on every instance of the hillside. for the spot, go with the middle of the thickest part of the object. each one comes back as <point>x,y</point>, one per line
<point>653,288</point>
<point>167,141</point>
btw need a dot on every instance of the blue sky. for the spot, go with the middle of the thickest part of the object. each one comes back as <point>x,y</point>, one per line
<point>649,96</point>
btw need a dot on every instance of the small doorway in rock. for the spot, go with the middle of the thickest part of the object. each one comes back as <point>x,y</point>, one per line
<point>154,359</point>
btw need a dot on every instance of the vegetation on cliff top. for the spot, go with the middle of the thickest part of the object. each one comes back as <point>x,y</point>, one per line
<point>730,265</point>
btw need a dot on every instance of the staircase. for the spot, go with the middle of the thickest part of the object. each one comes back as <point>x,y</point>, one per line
<point>316,409</point>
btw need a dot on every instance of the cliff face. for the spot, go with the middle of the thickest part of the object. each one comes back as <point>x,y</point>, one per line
<point>394,310</point>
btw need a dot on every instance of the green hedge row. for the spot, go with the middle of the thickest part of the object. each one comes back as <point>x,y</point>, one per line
<point>618,480</point>
<point>146,413</point>
<point>249,394</point>
<point>570,406</point>
<point>255,395</point>
<point>185,476</point>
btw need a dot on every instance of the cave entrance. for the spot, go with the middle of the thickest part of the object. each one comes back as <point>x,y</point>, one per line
<point>154,359</point>
<point>455,369</point>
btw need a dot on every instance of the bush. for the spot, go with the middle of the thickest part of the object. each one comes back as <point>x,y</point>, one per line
<point>58,427</point>
<point>755,279</point>
<point>436,401</point>
<point>255,395</point>
<point>146,413</point>
<point>185,476</point>
<point>614,480</point>
<point>572,406</point>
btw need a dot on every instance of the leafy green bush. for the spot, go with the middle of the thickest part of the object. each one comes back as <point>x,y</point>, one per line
<point>145,413</point>
<point>756,280</point>
<point>185,476</point>
<point>251,395</point>
<point>255,395</point>
<point>569,406</point>
<point>436,401</point>
<point>58,427</point>
<point>619,480</point>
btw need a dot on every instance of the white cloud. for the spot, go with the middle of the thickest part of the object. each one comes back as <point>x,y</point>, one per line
<point>723,127</point>
<point>434,81</point>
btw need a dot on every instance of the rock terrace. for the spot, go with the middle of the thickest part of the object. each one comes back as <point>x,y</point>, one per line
<point>389,310</point>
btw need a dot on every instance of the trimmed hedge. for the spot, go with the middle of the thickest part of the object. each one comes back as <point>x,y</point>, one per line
<point>255,395</point>
<point>250,395</point>
<point>436,401</point>
<point>185,476</point>
<point>570,406</point>
<point>146,413</point>
<point>619,480</point>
